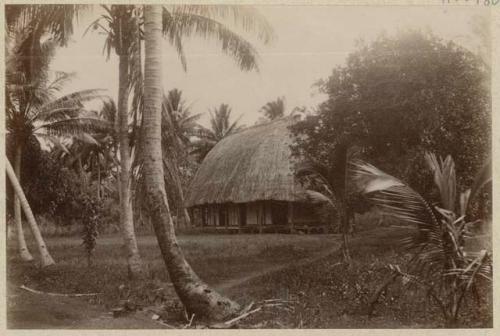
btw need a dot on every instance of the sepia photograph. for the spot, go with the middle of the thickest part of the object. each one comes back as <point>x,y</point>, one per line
<point>249,166</point>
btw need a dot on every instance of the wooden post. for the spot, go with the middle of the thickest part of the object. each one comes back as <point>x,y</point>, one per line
<point>260,217</point>
<point>290,217</point>
<point>226,214</point>
<point>203,215</point>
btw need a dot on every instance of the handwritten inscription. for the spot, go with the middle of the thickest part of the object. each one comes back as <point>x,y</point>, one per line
<point>477,2</point>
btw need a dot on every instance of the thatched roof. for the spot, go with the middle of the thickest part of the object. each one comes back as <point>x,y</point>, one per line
<point>252,165</point>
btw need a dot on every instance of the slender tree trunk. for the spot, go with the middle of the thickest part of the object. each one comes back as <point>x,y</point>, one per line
<point>187,218</point>
<point>21,241</point>
<point>98,179</point>
<point>344,222</point>
<point>83,176</point>
<point>45,256</point>
<point>196,296</point>
<point>126,213</point>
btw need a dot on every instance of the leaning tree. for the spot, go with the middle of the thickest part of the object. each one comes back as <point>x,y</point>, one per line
<point>196,295</point>
<point>33,109</point>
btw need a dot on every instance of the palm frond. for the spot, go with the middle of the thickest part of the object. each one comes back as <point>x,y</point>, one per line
<point>73,99</point>
<point>444,178</point>
<point>74,126</point>
<point>396,199</point>
<point>246,17</point>
<point>59,114</point>
<point>318,198</point>
<point>174,35</point>
<point>62,78</point>
<point>54,141</point>
<point>274,109</point>
<point>188,24</point>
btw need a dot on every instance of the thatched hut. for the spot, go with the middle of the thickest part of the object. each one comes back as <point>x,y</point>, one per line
<point>247,182</point>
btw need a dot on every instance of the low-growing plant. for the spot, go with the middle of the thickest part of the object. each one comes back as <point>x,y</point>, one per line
<point>443,264</point>
<point>90,224</point>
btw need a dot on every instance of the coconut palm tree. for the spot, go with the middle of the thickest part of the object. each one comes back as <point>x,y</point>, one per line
<point>444,265</point>
<point>197,297</point>
<point>46,258</point>
<point>328,185</point>
<point>124,31</point>
<point>220,127</point>
<point>32,109</point>
<point>92,154</point>
<point>274,109</point>
<point>178,127</point>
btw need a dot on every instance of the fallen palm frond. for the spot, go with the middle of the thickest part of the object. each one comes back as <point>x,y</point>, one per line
<point>57,294</point>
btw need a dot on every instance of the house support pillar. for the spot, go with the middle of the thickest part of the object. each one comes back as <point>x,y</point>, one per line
<point>290,217</point>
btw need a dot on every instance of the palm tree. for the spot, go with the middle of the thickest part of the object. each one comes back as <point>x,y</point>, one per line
<point>274,109</point>
<point>124,36</point>
<point>220,127</point>
<point>178,127</point>
<point>92,154</point>
<point>328,185</point>
<point>46,258</point>
<point>443,264</point>
<point>196,296</point>
<point>32,109</point>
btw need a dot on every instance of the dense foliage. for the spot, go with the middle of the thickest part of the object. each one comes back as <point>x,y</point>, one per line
<point>60,196</point>
<point>398,97</point>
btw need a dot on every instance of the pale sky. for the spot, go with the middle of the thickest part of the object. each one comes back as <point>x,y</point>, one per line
<point>309,42</point>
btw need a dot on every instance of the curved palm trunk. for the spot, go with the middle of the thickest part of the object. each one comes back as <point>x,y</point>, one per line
<point>196,296</point>
<point>21,241</point>
<point>126,213</point>
<point>45,256</point>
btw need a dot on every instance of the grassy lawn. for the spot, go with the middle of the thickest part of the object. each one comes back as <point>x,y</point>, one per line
<point>221,260</point>
<point>302,269</point>
<point>328,294</point>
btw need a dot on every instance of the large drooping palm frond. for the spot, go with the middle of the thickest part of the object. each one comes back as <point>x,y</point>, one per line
<point>247,17</point>
<point>396,199</point>
<point>274,109</point>
<point>186,21</point>
<point>442,262</point>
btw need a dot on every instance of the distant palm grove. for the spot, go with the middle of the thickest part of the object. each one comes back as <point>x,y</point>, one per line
<point>390,175</point>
